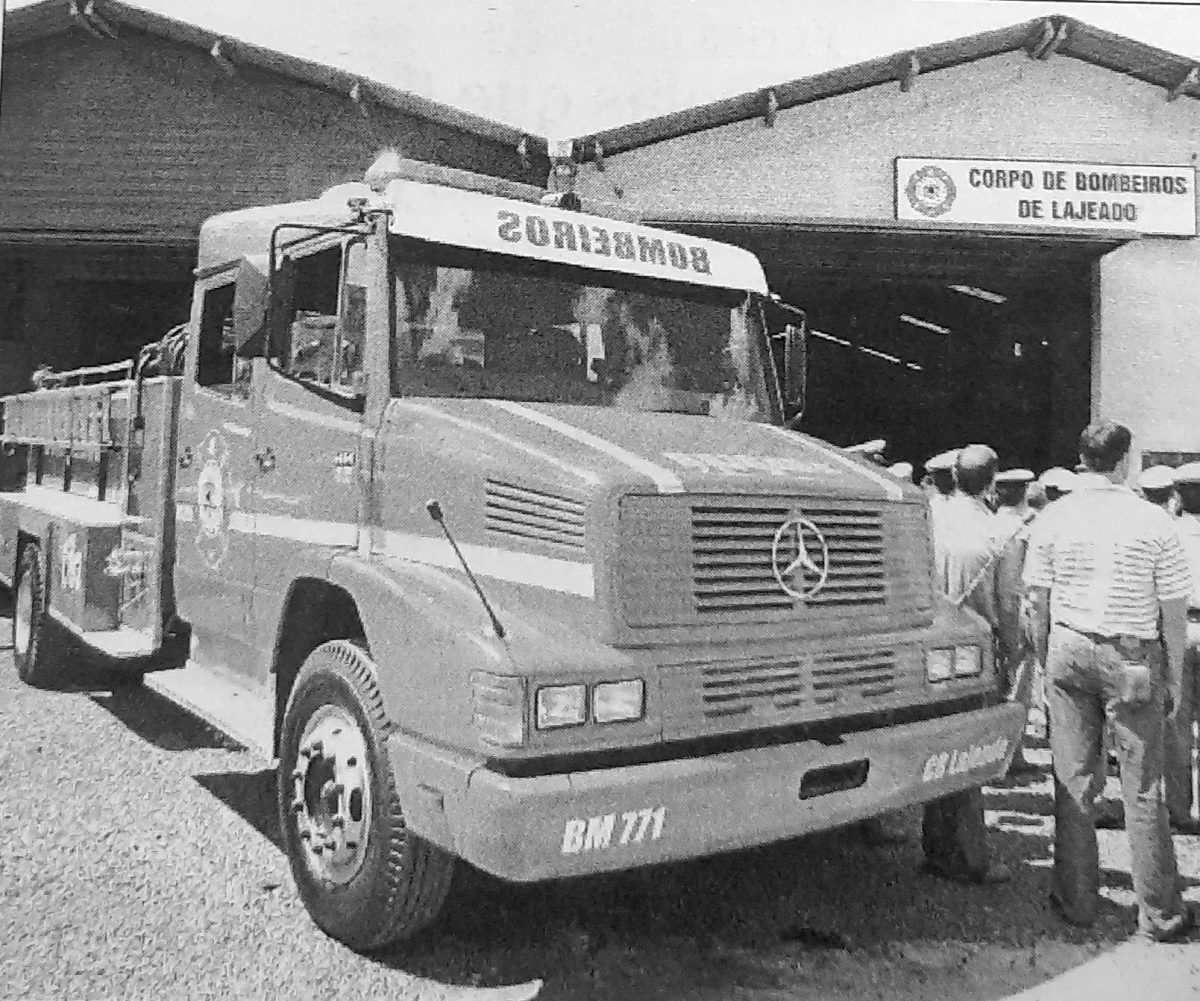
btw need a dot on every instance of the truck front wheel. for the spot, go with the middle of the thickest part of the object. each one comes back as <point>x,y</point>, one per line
<point>364,877</point>
<point>29,640</point>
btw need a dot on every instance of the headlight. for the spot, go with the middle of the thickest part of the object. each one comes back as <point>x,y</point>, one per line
<point>939,664</point>
<point>968,660</point>
<point>498,708</point>
<point>615,701</point>
<point>561,705</point>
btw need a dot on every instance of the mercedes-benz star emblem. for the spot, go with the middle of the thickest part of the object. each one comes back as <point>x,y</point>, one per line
<point>800,557</point>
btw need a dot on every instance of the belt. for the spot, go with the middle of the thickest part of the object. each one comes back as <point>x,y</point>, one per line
<point>1118,639</point>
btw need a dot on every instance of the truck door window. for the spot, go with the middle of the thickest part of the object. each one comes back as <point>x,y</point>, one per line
<point>220,369</point>
<point>326,321</point>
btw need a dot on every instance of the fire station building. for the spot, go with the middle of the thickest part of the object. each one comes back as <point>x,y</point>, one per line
<point>994,237</point>
<point>121,131</point>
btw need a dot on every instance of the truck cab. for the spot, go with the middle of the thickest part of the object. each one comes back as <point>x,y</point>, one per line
<point>491,502</point>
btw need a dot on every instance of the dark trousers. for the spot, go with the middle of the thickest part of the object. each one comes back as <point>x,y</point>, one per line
<point>1090,679</point>
<point>1177,749</point>
<point>954,835</point>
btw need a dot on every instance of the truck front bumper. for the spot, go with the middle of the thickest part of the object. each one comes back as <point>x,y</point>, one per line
<point>607,819</point>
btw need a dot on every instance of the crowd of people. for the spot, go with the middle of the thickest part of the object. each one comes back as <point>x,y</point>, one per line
<point>1092,589</point>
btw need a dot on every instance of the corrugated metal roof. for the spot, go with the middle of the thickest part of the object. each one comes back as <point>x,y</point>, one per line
<point>1053,37</point>
<point>43,20</point>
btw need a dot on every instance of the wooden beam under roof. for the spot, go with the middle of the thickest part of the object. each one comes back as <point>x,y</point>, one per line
<point>1190,80</point>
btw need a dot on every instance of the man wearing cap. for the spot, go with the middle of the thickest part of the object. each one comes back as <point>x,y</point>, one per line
<point>1013,515</point>
<point>940,473</point>
<point>1157,485</point>
<point>1056,481</point>
<point>1179,736</point>
<point>1108,587</point>
<point>954,835</point>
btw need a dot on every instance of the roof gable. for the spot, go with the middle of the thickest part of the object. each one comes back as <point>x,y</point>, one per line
<point>111,18</point>
<point>1043,38</point>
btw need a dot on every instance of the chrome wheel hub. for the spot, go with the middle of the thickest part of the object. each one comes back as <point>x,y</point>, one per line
<point>331,794</point>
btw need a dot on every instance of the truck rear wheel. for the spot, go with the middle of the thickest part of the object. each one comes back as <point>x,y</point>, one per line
<point>29,640</point>
<point>365,879</point>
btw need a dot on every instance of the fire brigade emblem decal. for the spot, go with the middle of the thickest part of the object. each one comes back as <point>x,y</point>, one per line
<point>212,514</point>
<point>931,191</point>
<point>800,557</point>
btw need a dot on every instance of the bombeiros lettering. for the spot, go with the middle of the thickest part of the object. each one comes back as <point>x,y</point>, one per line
<point>601,241</point>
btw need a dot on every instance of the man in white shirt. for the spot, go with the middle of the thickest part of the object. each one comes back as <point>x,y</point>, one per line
<point>1109,585</point>
<point>1180,736</point>
<point>966,553</point>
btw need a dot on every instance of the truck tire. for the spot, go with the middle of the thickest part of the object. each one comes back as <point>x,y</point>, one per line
<point>365,879</point>
<point>30,642</point>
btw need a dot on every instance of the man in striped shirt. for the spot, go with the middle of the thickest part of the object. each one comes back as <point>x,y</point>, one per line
<point>1109,584</point>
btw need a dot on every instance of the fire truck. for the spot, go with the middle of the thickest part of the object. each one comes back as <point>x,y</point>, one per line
<point>489,501</point>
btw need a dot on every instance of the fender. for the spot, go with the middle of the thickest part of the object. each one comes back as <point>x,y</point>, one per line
<point>428,632</point>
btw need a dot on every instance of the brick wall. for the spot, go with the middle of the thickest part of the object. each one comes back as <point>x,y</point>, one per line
<point>140,135</point>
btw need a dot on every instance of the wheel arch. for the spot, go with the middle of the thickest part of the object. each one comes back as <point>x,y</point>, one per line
<point>314,612</point>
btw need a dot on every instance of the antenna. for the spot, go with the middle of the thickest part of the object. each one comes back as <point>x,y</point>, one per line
<point>435,512</point>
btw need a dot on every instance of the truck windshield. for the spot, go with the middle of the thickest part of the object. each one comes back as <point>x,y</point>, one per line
<point>478,325</point>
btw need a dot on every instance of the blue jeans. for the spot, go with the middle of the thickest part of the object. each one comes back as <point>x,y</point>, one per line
<point>1088,679</point>
<point>1179,738</point>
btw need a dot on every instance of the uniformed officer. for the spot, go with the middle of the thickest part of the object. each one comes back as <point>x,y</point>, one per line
<point>1017,663</point>
<point>1056,481</point>
<point>940,473</point>
<point>966,553</point>
<point>1157,485</point>
<point>1180,736</point>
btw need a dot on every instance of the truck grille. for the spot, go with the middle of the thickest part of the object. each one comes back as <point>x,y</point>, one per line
<point>533,515</point>
<point>839,676</point>
<point>732,565</point>
<point>727,697</point>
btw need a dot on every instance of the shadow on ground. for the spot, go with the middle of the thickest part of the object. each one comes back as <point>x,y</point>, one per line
<point>251,795</point>
<point>821,917</point>
<point>159,721</point>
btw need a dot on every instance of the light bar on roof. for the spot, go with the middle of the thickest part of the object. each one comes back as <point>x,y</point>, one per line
<point>916,321</point>
<point>980,293</point>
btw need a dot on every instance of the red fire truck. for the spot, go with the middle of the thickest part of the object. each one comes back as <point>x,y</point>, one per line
<point>489,501</point>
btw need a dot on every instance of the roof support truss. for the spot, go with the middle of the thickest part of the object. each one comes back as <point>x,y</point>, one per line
<point>220,58</point>
<point>770,108</point>
<point>1048,41</point>
<point>1190,80</point>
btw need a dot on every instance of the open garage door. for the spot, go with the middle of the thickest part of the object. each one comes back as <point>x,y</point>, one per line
<point>933,338</point>
<point>67,302</point>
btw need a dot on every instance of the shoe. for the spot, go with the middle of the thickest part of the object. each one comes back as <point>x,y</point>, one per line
<point>1110,815</point>
<point>1058,908</point>
<point>878,834</point>
<point>993,875</point>
<point>1022,766</point>
<point>1182,933</point>
<point>1185,825</point>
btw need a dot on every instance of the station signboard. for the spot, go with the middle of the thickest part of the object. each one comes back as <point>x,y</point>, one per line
<point>1157,200</point>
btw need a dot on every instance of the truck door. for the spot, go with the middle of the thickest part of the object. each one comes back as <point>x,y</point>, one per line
<point>215,546</point>
<point>308,421</point>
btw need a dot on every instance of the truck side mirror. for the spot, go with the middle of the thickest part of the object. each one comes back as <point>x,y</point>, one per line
<point>279,317</point>
<point>250,306</point>
<point>795,372</point>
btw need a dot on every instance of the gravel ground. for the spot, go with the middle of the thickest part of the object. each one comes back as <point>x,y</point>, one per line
<point>141,860</point>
